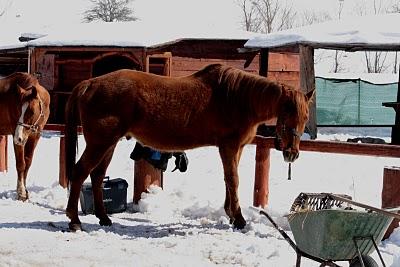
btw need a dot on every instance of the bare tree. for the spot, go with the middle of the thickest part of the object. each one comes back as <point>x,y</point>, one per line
<point>251,20</point>
<point>4,5</point>
<point>309,17</point>
<point>110,10</point>
<point>376,62</point>
<point>395,8</point>
<point>337,62</point>
<point>267,16</point>
<point>395,66</point>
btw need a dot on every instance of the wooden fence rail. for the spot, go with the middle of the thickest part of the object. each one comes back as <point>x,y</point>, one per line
<point>264,144</point>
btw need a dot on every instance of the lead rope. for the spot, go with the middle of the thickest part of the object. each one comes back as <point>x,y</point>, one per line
<point>290,171</point>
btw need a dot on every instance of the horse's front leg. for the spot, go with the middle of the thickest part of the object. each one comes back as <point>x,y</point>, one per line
<point>22,193</point>
<point>230,156</point>
<point>97,177</point>
<point>28,151</point>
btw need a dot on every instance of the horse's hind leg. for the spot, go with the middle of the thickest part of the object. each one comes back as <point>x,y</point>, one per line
<point>92,155</point>
<point>97,177</point>
<point>230,156</point>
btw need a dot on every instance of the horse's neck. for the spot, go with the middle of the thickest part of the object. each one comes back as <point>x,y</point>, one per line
<point>9,108</point>
<point>264,97</point>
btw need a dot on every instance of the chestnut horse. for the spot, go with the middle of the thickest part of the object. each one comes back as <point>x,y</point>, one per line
<point>216,106</point>
<point>24,110</point>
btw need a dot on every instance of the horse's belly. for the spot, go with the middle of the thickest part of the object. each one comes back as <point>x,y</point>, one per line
<point>173,142</point>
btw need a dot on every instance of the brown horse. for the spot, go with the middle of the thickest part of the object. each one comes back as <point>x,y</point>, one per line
<point>216,106</point>
<point>24,110</point>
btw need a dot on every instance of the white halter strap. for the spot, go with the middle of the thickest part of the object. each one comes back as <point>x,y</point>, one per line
<point>33,127</point>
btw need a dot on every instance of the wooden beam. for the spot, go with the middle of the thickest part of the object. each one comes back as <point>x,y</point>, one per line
<point>261,176</point>
<point>3,153</point>
<point>62,176</point>
<point>264,54</point>
<point>59,128</point>
<point>261,179</point>
<point>396,127</point>
<point>144,176</point>
<point>307,84</point>
<point>339,147</point>
<point>391,194</point>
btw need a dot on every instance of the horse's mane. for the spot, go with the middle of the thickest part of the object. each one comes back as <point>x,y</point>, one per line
<point>23,79</point>
<point>240,88</point>
<point>247,90</point>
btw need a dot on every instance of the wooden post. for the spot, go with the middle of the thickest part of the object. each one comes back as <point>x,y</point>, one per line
<point>261,176</point>
<point>391,194</point>
<point>3,154</point>
<point>62,178</point>
<point>261,181</point>
<point>144,176</point>
<point>396,127</point>
<point>307,84</point>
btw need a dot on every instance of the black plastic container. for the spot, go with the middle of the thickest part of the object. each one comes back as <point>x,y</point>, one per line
<point>114,196</point>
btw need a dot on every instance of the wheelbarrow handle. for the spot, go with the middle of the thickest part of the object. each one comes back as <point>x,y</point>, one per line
<point>298,251</point>
<point>361,205</point>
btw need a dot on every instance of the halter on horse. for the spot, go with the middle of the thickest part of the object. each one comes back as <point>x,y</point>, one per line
<point>33,128</point>
<point>24,110</point>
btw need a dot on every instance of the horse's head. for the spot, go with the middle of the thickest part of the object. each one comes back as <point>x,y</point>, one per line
<point>31,114</point>
<point>292,118</point>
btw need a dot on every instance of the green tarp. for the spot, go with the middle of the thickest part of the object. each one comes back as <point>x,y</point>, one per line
<point>354,102</point>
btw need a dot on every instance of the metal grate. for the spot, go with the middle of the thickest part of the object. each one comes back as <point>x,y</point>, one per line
<point>317,201</point>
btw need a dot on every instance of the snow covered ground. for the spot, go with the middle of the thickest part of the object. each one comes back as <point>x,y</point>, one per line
<point>184,224</point>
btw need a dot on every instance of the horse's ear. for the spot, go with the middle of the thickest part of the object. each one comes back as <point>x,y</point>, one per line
<point>27,94</point>
<point>33,91</point>
<point>310,95</point>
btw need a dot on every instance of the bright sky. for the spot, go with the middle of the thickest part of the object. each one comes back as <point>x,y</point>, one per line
<point>40,15</point>
<point>210,12</point>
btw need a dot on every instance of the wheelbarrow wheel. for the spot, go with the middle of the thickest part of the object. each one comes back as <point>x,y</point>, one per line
<point>368,262</point>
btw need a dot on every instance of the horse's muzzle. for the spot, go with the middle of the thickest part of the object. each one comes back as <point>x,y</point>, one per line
<point>290,155</point>
<point>20,141</point>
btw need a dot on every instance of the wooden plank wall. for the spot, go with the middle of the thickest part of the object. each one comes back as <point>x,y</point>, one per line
<point>282,67</point>
<point>71,73</point>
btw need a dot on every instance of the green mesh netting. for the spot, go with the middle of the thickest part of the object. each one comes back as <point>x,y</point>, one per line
<point>354,102</point>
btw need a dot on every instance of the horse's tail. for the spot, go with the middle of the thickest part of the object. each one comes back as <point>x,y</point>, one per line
<point>72,120</point>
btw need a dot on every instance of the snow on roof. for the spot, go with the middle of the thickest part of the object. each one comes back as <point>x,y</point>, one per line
<point>375,32</point>
<point>132,34</point>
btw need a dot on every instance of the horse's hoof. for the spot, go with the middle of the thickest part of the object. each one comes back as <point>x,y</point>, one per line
<point>105,222</point>
<point>75,227</point>
<point>239,223</point>
<point>23,198</point>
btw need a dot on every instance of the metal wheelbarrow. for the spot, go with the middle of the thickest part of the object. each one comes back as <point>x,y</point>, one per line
<point>326,228</point>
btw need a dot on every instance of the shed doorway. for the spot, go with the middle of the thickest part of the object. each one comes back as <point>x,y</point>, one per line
<point>112,63</point>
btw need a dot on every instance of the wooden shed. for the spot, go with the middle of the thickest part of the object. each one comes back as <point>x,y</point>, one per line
<point>348,35</point>
<point>63,58</point>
